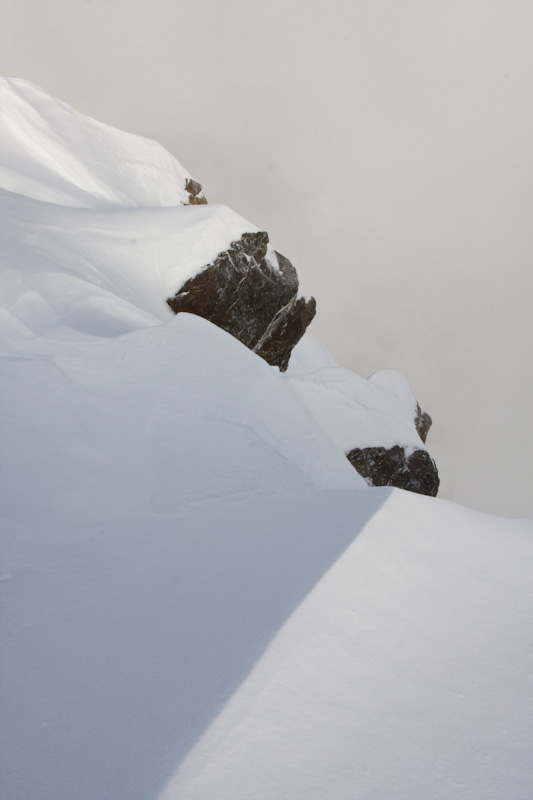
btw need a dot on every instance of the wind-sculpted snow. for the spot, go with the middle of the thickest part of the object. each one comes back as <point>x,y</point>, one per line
<point>52,152</point>
<point>95,230</point>
<point>123,640</point>
<point>201,598</point>
<point>152,420</point>
<point>333,644</point>
<point>405,673</point>
<point>123,198</point>
<point>355,411</point>
<point>102,272</point>
<point>376,422</point>
<point>116,406</point>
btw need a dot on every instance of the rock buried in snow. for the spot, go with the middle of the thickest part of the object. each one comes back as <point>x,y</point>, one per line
<point>381,466</point>
<point>252,296</point>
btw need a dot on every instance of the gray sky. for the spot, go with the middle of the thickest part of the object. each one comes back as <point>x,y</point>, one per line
<point>386,147</point>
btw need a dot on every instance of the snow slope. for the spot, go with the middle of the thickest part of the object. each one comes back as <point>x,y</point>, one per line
<point>354,411</point>
<point>405,673</point>
<point>200,596</point>
<point>152,420</point>
<point>367,644</point>
<point>54,153</point>
<point>110,220</point>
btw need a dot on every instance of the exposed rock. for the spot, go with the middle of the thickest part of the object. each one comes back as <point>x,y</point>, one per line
<point>285,331</point>
<point>380,466</point>
<point>423,423</point>
<point>196,195</point>
<point>252,297</point>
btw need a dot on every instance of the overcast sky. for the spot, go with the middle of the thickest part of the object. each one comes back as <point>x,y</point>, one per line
<point>385,145</point>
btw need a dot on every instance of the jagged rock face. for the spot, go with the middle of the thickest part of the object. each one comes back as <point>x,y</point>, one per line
<point>380,466</point>
<point>251,298</point>
<point>196,195</point>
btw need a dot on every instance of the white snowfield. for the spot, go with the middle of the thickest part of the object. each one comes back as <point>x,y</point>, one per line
<point>52,152</point>
<point>200,597</point>
<point>356,412</point>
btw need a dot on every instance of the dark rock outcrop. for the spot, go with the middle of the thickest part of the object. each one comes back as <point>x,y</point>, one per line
<point>196,195</point>
<point>251,298</point>
<point>381,466</point>
<point>423,423</point>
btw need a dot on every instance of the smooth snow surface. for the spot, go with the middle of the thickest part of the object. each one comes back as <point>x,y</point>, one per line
<point>51,152</point>
<point>355,412</point>
<point>200,597</point>
<point>155,419</point>
<point>360,644</point>
<point>405,673</point>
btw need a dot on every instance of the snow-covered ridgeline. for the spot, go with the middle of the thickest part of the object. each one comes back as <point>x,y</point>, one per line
<point>99,262</point>
<point>200,596</point>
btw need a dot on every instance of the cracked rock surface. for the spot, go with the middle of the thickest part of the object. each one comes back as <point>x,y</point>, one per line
<point>251,296</point>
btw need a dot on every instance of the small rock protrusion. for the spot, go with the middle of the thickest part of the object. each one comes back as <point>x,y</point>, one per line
<point>381,466</point>
<point>196,195</point>
<point>423,423</point>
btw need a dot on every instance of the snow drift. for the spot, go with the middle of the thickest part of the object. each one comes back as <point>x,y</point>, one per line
<point>200,596</point>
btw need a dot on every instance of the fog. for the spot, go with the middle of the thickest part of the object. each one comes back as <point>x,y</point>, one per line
<point>386,148</point>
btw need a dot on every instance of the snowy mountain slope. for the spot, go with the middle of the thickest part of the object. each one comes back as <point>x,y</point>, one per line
<point>51,152</point>
<point>122,640</point>
<point>355,412</point>
<point>103,271</point>
<point>265,649</point>
<point>84,268</point>
<point>377,423</point>
<point>405,673</point>
<point>152,420</point>
<point>87,332</point>
<point>200,596</point>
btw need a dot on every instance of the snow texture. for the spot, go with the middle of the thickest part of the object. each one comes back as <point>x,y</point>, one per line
<point>200,596</point>
<point>355,412</point>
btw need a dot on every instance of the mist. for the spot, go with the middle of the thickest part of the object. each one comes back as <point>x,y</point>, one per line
<point>385,147</point>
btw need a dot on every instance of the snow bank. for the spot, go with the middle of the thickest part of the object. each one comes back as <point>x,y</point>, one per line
<point>95,235</point>
<point>403,674</point>
<point>199,600</point>
<point>52,152</point>
<point>162,417</point>
<point>103,272</point>
<point>354,411</point>
<point>366,644</point>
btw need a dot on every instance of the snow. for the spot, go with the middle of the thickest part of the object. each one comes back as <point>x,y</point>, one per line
<point>405,672</point>
<point>354,411</point>
<point>111,213</point>
<point>51,152</point>
<point>151,420</point>
<point>200,596</point>
<point>364,643</point>
<point>82,269</point>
